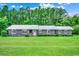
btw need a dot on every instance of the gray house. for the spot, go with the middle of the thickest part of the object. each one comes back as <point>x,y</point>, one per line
<point>33,30</point>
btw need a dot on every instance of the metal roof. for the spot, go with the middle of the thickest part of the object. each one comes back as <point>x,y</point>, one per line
<point>23,27</point>
<point>48,27</point>
<point>56,27</point>
<point>64,28</point>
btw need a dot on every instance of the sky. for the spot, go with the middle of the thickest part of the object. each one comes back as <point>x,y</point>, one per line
<point>71,8</point>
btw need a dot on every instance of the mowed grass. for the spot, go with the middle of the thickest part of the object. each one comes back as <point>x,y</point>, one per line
<point>40,46</point>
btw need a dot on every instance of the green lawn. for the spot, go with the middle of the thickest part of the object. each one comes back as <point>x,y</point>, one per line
<point>40,46</point>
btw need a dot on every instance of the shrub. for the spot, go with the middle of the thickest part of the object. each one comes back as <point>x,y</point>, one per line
<point>4,33</point>
<point>76,29</point>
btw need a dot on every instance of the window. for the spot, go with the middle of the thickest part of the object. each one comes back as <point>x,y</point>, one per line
<point>13,31</point>
<point>68,32</point>
<point>61,32</point>
<point>44,31</point>
<point>51,31</point>
<point>24,31</point>
<point>19,30</point>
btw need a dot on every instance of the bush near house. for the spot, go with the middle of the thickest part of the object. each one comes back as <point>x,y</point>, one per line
<point>4,33</point>
<point>76,29</point>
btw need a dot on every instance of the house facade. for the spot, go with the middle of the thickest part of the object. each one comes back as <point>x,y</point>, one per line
<point>34,30</point>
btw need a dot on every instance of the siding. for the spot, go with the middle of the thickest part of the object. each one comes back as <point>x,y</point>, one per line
<point>18,32</point>
<point>42,32</point>
<point>39,32</point>
<point>51,32</point>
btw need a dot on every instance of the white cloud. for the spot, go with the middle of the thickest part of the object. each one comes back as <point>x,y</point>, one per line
<point>60,3</point>
<point>2,4</point>
<point>68,3</point>
<point>73,13</point>
<point>43,5</point>
<point>33,8</point>
<point>21,6</point>
<point>63,4</point>
<point>61,7</point>
<point>46,5</point>
<point>13,6</point>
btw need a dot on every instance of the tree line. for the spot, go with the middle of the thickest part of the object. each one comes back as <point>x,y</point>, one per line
<point>38,16</point>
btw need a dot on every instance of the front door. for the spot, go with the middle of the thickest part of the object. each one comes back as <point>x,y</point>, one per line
<point>32,32</point>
